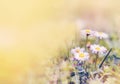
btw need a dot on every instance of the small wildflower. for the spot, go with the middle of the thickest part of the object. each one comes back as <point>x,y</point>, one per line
<point>82,56</point>
<point>101,35</point>
<point>77,50</point>
<point>97,49</point>
<point>87,32</point>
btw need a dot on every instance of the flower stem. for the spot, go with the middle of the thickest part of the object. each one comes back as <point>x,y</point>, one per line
<point>86,42</point>
<point>96,61</point>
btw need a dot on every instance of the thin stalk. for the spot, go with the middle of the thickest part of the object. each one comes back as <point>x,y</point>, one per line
<point>96,59</point>
<point>105,58</point>
<point>86,42</point>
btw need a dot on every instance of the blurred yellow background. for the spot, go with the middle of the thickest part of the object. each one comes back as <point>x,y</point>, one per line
<point>31,31</point>
<point>29,35</point>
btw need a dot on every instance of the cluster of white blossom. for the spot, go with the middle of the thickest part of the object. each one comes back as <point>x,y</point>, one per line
<point>100,35</point>
<point>80,53</point>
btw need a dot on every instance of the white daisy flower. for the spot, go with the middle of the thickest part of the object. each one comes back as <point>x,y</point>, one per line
<point>87,32</point>
<point>101,35</point>
<point>77,50</point>
<point>82,56</point>
<point>97,49</point>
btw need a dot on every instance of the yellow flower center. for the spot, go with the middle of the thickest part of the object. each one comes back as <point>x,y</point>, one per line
<point>97,48</point>
<point>88,31</point>
<point>100,33</point>
<point>77,50</point>
<point>81,55</point>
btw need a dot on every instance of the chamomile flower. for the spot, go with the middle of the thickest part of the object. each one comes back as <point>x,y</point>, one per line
<point>97,49</point>
<point>82,56</point>
<point>87,32</point>
<point>100,35</point>
<point>77,50</point>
